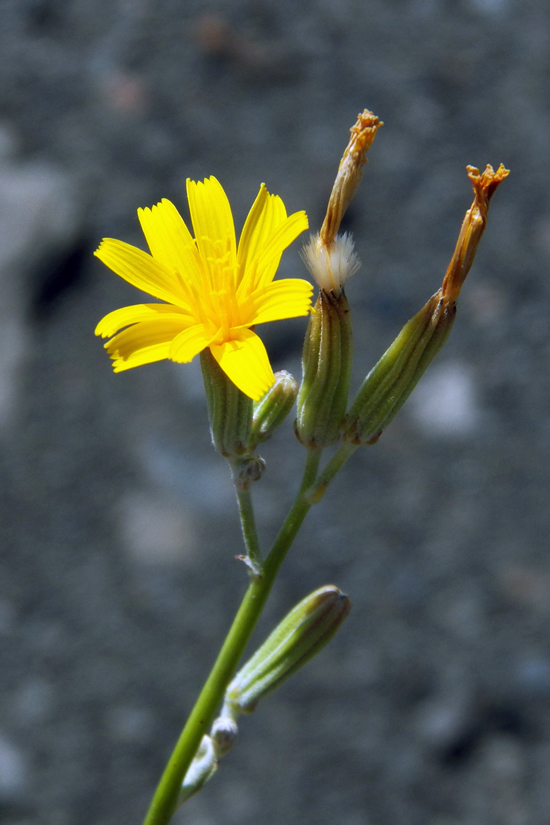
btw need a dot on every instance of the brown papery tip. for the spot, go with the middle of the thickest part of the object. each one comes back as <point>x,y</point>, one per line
<point>486,184</point>
<point>472,228</point>
<point>362,135</point>
<point>349,173</point>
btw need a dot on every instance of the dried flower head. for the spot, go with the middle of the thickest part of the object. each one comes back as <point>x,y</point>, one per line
<point>349,174</point>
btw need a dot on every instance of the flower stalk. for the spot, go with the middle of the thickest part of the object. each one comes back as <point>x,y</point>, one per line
<point>211,293</point>
<point>166,797</point>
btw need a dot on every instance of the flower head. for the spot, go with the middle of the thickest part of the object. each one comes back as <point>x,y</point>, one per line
<point>331,257</point>
<point>213,290</point>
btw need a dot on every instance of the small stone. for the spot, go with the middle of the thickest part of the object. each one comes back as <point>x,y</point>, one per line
<point>7,617</point>
<point>441,719</point>
<point>532,676</point>
<point>13,769</point>
<point>526,586</point>
<point>445,403</point>
<point>156,531</point>
<point>39,214</point>
<point>33,701</point>
<point>130,724</point>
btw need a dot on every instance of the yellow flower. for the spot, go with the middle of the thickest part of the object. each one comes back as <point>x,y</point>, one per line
<point>214,291</point>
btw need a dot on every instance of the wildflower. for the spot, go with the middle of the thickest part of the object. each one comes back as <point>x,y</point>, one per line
<point>214,291</point>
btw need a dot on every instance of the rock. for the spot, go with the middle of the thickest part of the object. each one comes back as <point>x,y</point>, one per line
<point>13,769</point>
<point>39,214</point>
<point>444,403</point>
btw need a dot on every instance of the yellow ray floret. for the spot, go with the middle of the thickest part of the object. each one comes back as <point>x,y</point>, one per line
<point>214,290</point>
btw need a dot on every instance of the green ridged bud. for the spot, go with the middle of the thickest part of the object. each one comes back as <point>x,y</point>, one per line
<point>271,411</point>
<point>326,365</point>
<point>300,635</point>
<point>331,259</point>
<point>229,409</point>
<point>391,381</point>
<point>389,384</point>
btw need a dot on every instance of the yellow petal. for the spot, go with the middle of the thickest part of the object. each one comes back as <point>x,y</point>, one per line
<point>188,344</point>
<point>119,318</point>
<point>213,224</point>
<point>273,248</point>
<point>288,298</point>
<point>283,236</point>
<point>169,239</point>
<point>143,343</point>
<point>139,269</point>
<point>267,213</point>
<point>246,363</point>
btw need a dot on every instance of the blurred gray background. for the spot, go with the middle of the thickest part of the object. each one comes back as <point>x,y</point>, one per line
<point>119,530</point>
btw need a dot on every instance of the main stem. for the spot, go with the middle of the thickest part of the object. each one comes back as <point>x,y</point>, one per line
<point>318,489</point>
<point>165,799</point>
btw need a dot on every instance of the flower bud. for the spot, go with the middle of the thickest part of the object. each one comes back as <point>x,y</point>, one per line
<point>247,469</point>
<point>331,259</point>
<point>271,411</point>
<point>229,409</point>
<point>389,384</point>
<point>223,734</point>
<point>326,366</point>
<point>391,381</point>
<point>300,635</point>
<point>349,174</point>
<point>200,770</point>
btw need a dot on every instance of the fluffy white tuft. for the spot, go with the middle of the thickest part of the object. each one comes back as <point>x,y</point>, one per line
<point>331,266</point>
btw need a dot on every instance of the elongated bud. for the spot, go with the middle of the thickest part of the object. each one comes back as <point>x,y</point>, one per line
<point>300,635</point>
<point>271,411</point>
<point>326,366</point>
<point>229,409</point>
<point>331,259</point>
<point>473,227</point>
<point>391,381</point>
<point>200,770</point>
<point>349,174</point>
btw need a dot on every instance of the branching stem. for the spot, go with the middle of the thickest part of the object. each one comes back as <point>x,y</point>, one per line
<point>165,799</point>
<point>250,534</point>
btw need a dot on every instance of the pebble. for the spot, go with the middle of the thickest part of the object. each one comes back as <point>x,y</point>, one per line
<point>13,769</point>
<point>444,402</point>
<point>39,213</point>
<point>156,531</point>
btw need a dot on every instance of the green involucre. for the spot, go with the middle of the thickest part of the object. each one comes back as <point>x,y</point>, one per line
<point>301,634</point>
<point>326,364</point>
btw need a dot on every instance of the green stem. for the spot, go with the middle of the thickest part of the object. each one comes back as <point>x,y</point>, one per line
<point>250,534</point>
<point>318,488</point>
<point>165,799</point>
